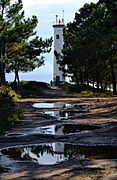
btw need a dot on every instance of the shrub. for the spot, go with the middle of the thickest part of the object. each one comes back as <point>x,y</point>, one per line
<point>9,111</point>
<point>29,89</point>
<point>86,93</point>
<point>8,93</point>
<point>68,87</point>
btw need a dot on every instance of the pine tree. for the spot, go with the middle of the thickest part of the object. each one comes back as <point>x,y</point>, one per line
<point>17,52</point>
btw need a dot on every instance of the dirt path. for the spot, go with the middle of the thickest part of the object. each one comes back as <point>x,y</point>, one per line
<point>100,112</point>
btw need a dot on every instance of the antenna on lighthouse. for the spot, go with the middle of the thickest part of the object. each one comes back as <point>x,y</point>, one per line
<point>56,19</point>
<point>63,17</point>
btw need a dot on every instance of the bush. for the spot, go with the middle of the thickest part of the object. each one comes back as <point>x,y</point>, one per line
<point>86,93</point>
<point>85,90</point>
<point>28,89</point>
<point>9,111</point>
<point>8,93</point>
<point>68,87</point>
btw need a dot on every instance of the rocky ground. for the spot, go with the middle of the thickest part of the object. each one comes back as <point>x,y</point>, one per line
<point>98,112</point>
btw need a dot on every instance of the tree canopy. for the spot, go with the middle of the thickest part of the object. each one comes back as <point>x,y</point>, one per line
<point>20,48</point>
<point>90,42</point>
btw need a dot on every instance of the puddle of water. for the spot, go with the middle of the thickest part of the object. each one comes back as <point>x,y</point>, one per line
<point>69,112</point>
<point>54,153</point>
<point>52,113</point>
<point>44,154</point>
<point>43,105</point>
<point>55,105</point>
<point>14,134</point>
<point>64,114</point>
<point>50,129</point>
<point>61,129</point>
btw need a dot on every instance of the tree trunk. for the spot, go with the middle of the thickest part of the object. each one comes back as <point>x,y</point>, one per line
<point>113,76</point>
<point>93,83</point>
<point>81,77</point>
<point>2,74</point>
<point>87,82</point>
<point>2,64</point>
<point>101,84</point>
<point>97,85</point>
<point>86,79</point>
<point>105,86</point>
<point>16,80</point>
<point>76,79</point>
<point>2,53</point>
<point>97,80</point>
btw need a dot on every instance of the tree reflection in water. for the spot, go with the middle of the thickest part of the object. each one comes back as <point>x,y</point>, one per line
<point>53,153</point>
<point>43,154</point>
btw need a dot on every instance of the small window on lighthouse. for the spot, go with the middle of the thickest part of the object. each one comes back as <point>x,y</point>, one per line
<point>57,36</point>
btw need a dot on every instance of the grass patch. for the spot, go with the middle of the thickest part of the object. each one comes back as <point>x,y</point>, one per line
<point>29,89</point>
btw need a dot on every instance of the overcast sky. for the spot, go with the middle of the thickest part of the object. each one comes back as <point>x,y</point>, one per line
<point>46,10</point>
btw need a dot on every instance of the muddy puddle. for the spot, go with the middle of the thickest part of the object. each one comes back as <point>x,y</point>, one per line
<point>43,105</point>
<point>59,105</point>
<point>55,105</point>
<point>54,153</point>
<point>62,114</point>
<point>61,129</point>
<point>13,134</point>
<point>60,110</point>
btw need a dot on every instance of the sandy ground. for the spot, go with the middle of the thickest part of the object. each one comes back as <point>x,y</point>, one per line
<point>101,112</point>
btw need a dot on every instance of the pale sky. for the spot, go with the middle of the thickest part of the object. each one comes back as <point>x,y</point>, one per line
<point>46,10</point>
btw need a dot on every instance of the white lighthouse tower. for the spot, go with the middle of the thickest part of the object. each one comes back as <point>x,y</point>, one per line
<point>58,46</point>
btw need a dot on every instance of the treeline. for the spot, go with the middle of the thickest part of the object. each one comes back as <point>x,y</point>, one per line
<point>90,46</point>
<point>20,48</point>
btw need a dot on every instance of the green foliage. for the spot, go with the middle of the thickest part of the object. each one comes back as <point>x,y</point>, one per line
<point>17,51</point>
<point>88,93</point>
<point>84,90</point>
<point>9,93</point>
<point>90,41</point>
<point>65,86</point>
<point>29,89</point>
<point>68,87</point>
<point>9,111</point>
